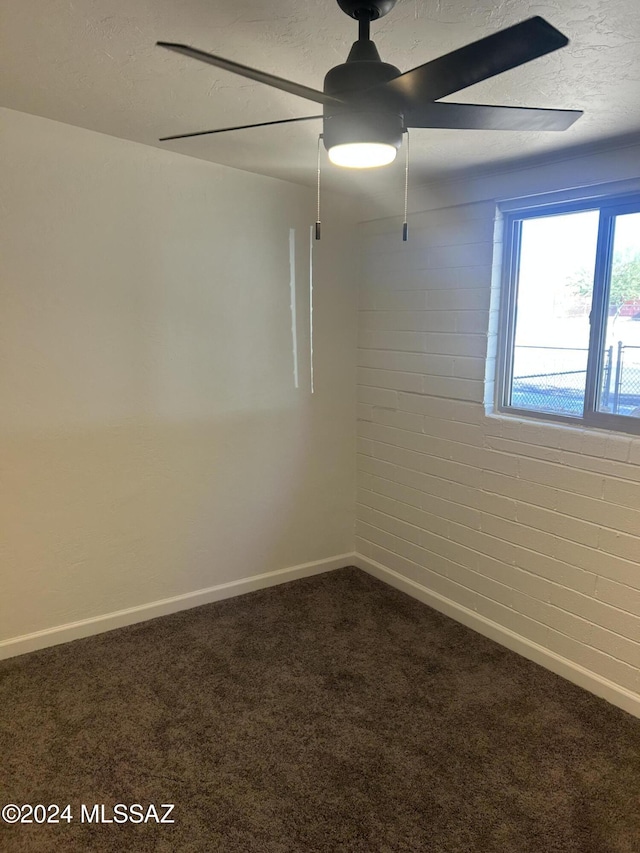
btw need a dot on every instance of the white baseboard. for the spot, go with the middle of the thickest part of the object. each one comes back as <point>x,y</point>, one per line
<point>614,693</point>
<point>573,672</point>
<point>109,621</point>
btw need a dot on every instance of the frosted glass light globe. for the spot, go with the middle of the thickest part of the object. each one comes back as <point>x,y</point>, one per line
<point>363,155</point>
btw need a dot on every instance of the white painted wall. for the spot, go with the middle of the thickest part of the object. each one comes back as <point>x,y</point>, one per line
<point>525,530</point>
<point>152,442</point>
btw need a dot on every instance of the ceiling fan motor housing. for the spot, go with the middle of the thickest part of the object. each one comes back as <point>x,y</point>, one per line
<point>362,126</point>
<point>355,77</point>
<point>372,9</point>
<point>360,119</point>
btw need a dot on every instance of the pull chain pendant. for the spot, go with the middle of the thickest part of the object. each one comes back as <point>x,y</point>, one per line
<point>405,224</point>
<point>318,223</point>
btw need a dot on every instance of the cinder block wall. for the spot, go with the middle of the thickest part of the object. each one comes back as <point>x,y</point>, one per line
<point>532,526</point>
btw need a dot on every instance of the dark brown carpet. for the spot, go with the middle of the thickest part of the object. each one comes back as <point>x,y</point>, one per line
<point>328,714</point>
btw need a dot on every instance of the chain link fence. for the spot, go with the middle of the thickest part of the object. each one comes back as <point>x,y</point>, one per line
<point>552,379</point>
<point>549,379</point>
<point>621,395</point>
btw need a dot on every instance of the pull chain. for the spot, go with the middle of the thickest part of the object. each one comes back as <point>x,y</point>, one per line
<point>405,225</point>
<point>318,223</point>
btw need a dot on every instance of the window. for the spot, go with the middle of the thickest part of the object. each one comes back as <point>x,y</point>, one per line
<point>570,347</point>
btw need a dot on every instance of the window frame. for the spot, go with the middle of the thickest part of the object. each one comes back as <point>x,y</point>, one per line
<point>609,207</point>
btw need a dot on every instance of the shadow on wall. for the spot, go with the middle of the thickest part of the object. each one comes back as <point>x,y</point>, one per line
<point>155,442</point>
<point>102,520</point>
<point>152,440</point>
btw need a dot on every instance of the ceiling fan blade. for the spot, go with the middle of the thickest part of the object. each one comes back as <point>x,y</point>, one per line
<point>251,73</point>
<point>484,117</point>
<point>239,127</point>
<point>475,62</point>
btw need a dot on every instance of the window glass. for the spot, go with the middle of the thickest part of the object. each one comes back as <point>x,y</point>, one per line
<point>620,377</point>
<point>570,321</point>
<point>554,288</point>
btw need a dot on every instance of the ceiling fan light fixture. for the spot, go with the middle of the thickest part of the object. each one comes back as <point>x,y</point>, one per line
<point>362,155</point>
<point>362,140</point>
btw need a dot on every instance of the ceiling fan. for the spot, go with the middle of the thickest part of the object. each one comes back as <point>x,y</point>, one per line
<point>368,104</point>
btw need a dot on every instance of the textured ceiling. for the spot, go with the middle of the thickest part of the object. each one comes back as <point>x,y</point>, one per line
<point>93,63</point>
